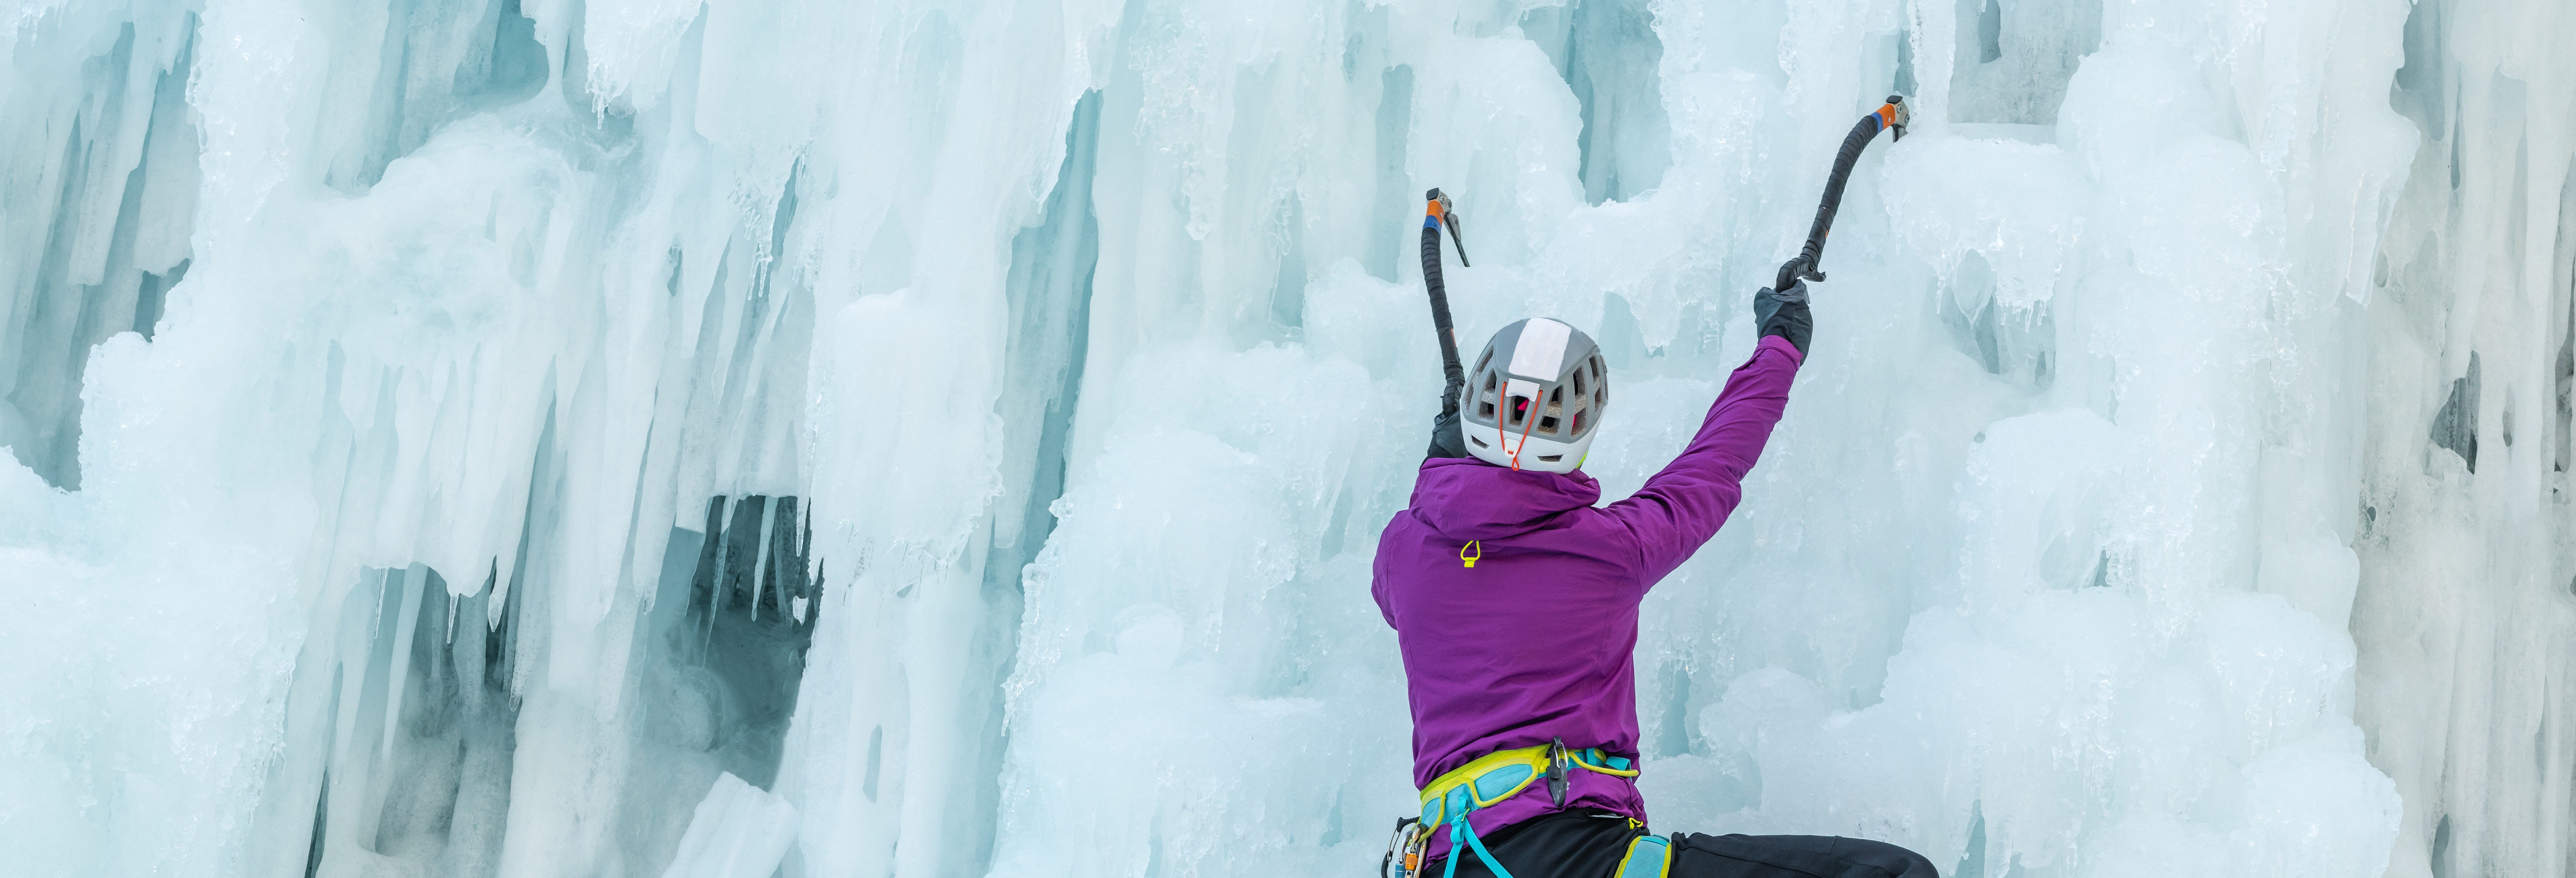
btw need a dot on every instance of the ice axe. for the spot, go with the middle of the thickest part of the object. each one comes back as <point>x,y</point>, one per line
<point>1437,213</point>
<point>1803,266</point>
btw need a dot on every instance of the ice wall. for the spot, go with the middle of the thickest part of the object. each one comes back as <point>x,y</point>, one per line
<point>2466,613</point>
<point>536,437</point>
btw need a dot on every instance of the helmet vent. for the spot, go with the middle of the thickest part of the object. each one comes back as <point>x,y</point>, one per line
<point>1550,458</point>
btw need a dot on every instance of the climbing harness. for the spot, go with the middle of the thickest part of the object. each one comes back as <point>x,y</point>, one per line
<point>1489,780</point>
<point>1889,116</point>
<point>1648,856</point>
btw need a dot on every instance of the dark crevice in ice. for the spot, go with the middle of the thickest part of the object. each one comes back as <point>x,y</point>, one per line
<point>719,660</point>
<point>419,740</point>
<point>781,219</point>
<point>2457,165</point>
<point>2563,370</point>
<point>2004,341</point>
<point>435,62</point>
<point>1673,726</point>
<point>1049,294</point>
<point>45,393</point>
<point>2456,426</point>
<point>1990,33</point>
<point>322,801</point>
<point>155,295</point>
<point>1623,338</point>
<point>1608,53</point>
<point>1972,861</point>
<point>2438,861</point>
<point>2566,397</point>
<point>422,777</point>
<point>514,67</point>
<point>2013,60</point>
<point>2417,91</point>
<point>747,622</point>
<point>116,242</point>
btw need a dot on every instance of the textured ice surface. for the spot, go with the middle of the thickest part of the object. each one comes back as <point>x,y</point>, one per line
<point>635,437</point>
<point>740,831</point>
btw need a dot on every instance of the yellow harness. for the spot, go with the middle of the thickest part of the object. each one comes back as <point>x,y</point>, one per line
<point>1494,777</point>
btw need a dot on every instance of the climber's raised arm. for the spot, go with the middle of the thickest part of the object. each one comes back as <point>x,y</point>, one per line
<point>1682,506</point>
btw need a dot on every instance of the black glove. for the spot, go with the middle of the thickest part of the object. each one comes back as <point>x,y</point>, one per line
<point>1447,438</point>
<point>1784,313</point>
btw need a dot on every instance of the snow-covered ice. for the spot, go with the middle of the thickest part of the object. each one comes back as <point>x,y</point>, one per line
<point>661,437</point>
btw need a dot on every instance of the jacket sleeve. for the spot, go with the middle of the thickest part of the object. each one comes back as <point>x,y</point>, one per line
<point>1683,506</point>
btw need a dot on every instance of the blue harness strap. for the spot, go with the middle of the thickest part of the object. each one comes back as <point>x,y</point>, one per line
<point>1458,827</point>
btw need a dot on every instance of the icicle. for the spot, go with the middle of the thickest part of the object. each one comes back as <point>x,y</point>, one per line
<point>760,552</point>
<point>405,588</point>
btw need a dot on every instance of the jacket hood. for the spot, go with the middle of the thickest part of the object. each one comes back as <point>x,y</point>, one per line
<point>1468,499</point>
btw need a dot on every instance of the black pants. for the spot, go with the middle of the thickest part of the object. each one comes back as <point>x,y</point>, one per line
<point>1583,843</point>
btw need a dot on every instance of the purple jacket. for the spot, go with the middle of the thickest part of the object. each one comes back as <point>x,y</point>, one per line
<point>1537,641</point>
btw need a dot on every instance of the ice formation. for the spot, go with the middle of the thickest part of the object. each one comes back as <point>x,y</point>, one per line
<point>636,437</point>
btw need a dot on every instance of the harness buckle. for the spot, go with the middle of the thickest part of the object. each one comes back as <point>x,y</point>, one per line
<point>1556,772</point>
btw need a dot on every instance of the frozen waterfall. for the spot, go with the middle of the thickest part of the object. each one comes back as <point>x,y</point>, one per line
<point>786,437</point>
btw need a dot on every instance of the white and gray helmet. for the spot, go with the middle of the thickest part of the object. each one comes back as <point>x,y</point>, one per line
<point>1535,397</point>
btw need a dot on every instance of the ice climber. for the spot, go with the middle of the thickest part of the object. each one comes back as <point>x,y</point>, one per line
<point>1514,600</point>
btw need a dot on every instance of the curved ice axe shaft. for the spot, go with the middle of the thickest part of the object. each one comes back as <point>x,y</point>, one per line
<point>1889,115</point>
<point>1438,212</point>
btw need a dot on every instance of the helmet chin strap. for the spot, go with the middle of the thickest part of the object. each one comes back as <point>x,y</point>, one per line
<point>1529,418</point>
